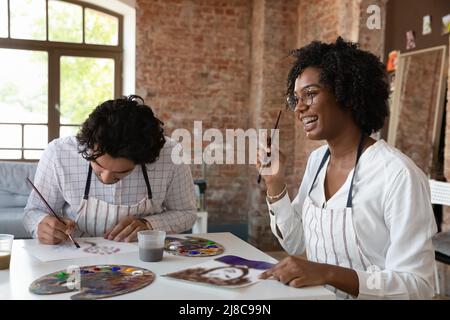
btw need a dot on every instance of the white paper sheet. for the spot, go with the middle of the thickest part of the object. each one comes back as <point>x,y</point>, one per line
<point>90,247</point>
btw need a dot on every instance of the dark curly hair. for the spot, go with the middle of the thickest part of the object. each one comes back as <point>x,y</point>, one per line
<point>122,128</point>
<point>355,77</point>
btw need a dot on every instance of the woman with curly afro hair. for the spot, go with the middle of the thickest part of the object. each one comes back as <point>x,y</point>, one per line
<point>115,178</point>
<point>363,214</point>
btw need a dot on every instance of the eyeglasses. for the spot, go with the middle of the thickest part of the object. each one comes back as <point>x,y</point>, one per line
<point>307,99</point>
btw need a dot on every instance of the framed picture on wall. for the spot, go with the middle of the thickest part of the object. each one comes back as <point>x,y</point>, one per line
<point>416,111</point>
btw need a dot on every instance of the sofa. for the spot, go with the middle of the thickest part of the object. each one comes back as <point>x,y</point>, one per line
<point>14,192</point>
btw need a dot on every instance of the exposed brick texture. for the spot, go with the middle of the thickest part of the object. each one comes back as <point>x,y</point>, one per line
<point>193,62</point>
<point>372,39</point>
<point>273,34</point>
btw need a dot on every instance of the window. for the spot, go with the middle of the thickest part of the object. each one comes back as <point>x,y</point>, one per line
<point>58,61</point>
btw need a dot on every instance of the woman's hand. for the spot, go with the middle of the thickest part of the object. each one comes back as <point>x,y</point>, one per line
<point>126,230</point>
<point>273,168</point>
<point>52,231</point>
<point>298,272</point>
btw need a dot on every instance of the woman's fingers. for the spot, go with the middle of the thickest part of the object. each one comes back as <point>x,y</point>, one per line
<point>266,274</point>
<point>297,282</point>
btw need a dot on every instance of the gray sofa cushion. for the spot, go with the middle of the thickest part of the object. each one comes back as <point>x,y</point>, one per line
<point>13,177</point>
<point>12,200</point>
<point>14,191</point>
<point>11,222</point>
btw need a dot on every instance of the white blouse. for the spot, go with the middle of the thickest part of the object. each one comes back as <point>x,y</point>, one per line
<point>393,218</point>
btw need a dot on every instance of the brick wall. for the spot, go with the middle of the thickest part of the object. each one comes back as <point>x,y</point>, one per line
<point>372,39</point>
<point>273,35</point>
<point>193,64</point>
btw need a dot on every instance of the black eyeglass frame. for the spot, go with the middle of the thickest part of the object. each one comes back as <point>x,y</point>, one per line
<point>292,100</point>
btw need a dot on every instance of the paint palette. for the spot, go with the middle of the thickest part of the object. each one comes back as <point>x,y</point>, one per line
<point>192,247</point>
<point>94,282</point>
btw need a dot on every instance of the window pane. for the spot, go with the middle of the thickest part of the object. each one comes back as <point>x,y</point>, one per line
<point>23,93</point>
<point>101,28</point>
<point>85,82</point>
<point>10,154</point>
<point>28,19</point>
<point>66,131</point>
<point>35,136</point>
<point>65,22</point>
<point>32,154</point>
<point>3,18</point>
<point>10,136</point>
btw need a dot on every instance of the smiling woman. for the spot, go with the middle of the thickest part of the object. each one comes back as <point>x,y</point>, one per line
<point>363,214</point>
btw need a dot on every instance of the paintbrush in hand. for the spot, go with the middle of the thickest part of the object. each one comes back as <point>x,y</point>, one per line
<point>51,210</point>
<point>269,144</point>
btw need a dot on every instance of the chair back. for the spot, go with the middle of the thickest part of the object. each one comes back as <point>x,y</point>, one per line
<point>440,192</point>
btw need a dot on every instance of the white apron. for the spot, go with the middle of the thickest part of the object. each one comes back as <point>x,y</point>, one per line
<point>95,217</point>
<point>330,236</point>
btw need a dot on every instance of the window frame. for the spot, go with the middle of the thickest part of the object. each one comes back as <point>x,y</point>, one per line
<point>56,49</point>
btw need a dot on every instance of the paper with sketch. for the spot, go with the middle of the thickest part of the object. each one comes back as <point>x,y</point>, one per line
<point>226,272</point>
<point>90,247</point>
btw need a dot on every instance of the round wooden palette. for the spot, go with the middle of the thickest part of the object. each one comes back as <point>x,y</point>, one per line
<point>96,282</point>
<point>192,247</point>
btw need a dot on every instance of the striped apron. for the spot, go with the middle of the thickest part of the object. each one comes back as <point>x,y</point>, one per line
<point>95,217</point>
<point>330,236</point>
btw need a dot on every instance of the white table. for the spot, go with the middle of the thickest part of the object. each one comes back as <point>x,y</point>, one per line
<point>25,268</point>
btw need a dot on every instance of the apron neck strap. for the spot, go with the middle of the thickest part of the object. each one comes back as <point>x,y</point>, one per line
<point>322,163</point>
<point>358,155</point>
<point>88,182</point>
<point>149,189</point>
<point>324,159</point>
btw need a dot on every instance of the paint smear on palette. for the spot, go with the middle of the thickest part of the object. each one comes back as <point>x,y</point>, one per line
<point>192,247</point>
<point>95,282</point>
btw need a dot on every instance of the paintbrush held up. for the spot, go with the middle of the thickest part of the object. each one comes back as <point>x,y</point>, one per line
<point>269,144</point>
